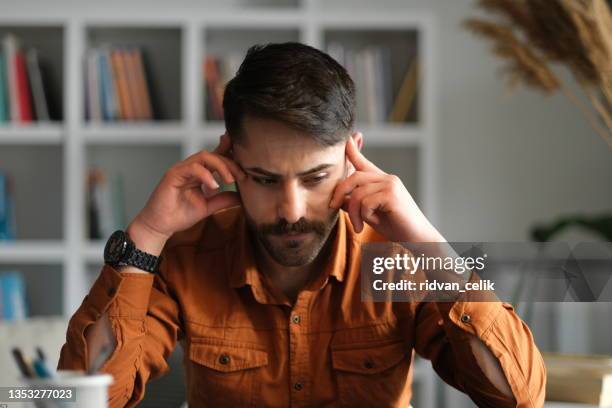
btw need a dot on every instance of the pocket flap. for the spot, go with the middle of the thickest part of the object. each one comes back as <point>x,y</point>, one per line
<point>227,357</point>
<point>368,359</point>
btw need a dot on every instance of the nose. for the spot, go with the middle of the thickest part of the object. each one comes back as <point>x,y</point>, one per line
<point>292,205</point>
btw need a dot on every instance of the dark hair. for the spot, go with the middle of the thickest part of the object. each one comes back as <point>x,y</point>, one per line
<point>293,83</point>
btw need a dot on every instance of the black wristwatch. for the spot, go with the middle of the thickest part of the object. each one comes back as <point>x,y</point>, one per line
<point>121,251</point>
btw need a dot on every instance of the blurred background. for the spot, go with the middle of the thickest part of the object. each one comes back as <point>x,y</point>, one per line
<point>98,99</point>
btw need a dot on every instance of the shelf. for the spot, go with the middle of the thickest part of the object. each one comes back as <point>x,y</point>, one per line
<point>32,133</point>
<point>32,251</point>
<point>134,132</point>
<point>364,20</point>
<point>94,252</point>
<point>254,18</point>
<point>49,162</point>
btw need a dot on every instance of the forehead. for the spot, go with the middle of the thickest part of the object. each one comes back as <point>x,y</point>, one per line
<point>273,146</point>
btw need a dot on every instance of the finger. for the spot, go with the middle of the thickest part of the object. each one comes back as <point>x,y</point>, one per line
<point>224,145</point>
<point>198,172</point>
<point>359,160</point>
<point>227,168</point>
<point>347,185</point>
<point>356,202</point>
<point>222,200</point>
<point>235,169</point>
<point>221,165</point>
<point>372,205</point>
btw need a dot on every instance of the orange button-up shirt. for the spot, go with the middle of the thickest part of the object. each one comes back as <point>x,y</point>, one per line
<point>246,345</point>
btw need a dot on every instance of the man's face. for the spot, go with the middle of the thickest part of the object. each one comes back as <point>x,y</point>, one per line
<point>290,181</point>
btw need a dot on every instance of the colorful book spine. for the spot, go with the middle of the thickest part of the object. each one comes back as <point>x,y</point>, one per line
<point>10,45</point>
<point>4,109</point>
<point>93,87</point>
<point>12,286</point>
<point>41,107</point>
<point>110,106</point>
<point>144,93</point>
<point>116,86</point>
<point>7,214</point>
<point>23,89</point>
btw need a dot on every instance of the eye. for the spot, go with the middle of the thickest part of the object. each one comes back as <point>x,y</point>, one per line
<point>316,179</point>
<point>264,181</point>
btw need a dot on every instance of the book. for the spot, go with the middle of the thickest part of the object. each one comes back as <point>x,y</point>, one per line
<point>217,71</point>
<point>578,378</point>
<point>4,112</point>
<point>12,286</point>
<point>136,105</point>
<point>41,107</point>
<point>10,45</point>
<point>23,88</point>
<point>126,110</point>
<point>143,84</point>
<point>406,95</point>
<point>117,86</point>
<point>94,104</point>
<point>109,98</point>
<point>7,215</point>
<point>105,203</point>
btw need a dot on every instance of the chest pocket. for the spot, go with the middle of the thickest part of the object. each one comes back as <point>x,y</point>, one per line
<point>371,375</point>
<point>225,373</point>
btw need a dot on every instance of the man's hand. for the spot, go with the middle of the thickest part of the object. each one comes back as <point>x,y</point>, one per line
<point>187,193</point>
<point>370,195</point>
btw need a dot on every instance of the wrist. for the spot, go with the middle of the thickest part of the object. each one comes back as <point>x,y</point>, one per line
<point>145,238</point>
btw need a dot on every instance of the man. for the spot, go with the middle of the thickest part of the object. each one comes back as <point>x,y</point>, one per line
<point>261,286</point>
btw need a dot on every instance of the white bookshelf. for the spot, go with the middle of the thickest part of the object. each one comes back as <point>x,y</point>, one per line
<point>177,36</point>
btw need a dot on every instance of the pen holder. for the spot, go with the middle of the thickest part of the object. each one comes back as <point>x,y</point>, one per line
<point>90,391</point>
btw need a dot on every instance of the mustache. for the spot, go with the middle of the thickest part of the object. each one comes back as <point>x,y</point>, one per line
<point>299,227</point>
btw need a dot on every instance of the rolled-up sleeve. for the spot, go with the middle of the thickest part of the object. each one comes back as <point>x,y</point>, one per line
<point>145,321</point>
<point>445,332</point>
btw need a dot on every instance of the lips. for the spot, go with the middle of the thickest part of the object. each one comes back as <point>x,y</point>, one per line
<point>292,236</point>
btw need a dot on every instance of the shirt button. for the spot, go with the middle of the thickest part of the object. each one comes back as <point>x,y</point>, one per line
<point>368,364</point>
<point>111,291</point>
<point>465,318</point>
<point>296,319</point>
<point>298,386</point>
<point>224,359</point>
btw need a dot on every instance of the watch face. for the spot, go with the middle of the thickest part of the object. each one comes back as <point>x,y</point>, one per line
<point>115,247</point>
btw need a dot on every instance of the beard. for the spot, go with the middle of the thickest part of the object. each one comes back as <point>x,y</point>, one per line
<point>275,240</point>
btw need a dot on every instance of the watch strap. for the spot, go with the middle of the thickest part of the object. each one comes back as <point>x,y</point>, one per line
<point>143,260</point>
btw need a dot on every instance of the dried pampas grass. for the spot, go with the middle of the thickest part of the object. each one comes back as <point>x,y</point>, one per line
<point>531,35</point>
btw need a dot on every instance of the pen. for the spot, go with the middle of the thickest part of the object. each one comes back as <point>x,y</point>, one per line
<point>41,354</point>
<point>42,370</point>
<point>24,367</point>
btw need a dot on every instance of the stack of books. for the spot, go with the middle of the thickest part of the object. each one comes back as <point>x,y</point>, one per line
<point>7,213</point>
<point>12,296</point>
<point>218,70</point>
<point>117,88</point>
<point>105,204</point>
<point>23,94</point>
<point>583,379</point>
<point>371,70</point>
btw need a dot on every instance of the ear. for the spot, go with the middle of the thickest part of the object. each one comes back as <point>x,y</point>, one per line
<point>358,139</point>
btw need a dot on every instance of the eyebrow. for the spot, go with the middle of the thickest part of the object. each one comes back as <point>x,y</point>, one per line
<point>259,170</point>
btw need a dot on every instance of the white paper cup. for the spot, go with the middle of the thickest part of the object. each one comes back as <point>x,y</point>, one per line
<point>91,391</point>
